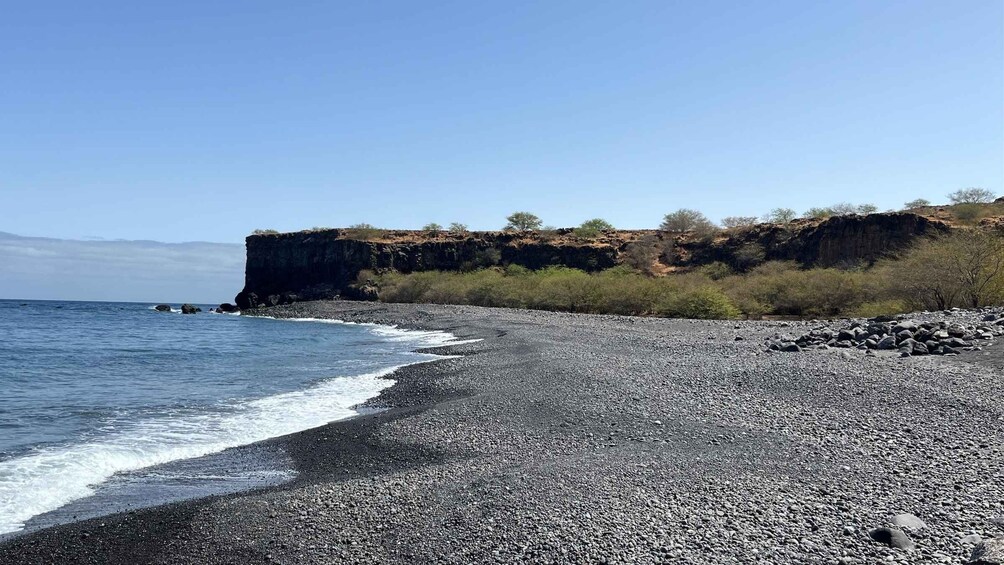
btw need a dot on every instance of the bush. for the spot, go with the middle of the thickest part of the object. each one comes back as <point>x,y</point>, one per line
<point>819,213</point>
<point>843,209</point>
<point>614,291</point>
<point>716,271</point>
<point>522,222</point>
<point>782,288</point>
<point>706,303</point>
<point>865,209</point>
<point>642,254</point>
<point>739,222</point>
<point>432,228</point>
<point>961,269</point>
<point>363,231</point>
<point>918,203</point>
<point>968,212</point>
<point>972,195</point>
<point>592,228</point>
<point>887,307</point>
<point>781,216</point>
<point>687,220</point>
<point>748,256</point>
<point>456,228</point>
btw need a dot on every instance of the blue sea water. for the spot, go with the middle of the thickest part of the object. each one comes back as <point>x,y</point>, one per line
<point>92,390</point>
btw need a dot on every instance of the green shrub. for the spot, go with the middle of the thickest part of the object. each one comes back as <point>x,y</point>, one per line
<point>706,303</point>
<point>591,229</point>
<point>716,270</point>
<point>875,308</point>
<point>968,212</point>
<point>363,231</point>
<point>522,222</point>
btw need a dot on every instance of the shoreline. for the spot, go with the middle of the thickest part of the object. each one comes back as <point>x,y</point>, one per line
<point>259,465</point>
<point>570,437</point>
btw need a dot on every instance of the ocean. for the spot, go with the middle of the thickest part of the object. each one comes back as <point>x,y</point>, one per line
<point>110,402</point>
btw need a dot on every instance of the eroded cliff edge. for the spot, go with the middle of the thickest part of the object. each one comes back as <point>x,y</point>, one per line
<point>289,267</point>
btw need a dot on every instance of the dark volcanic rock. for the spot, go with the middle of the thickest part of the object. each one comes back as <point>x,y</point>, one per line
<point>988,552</point>
<point>284,268</point>
<point>162,308</point>
<point>892,537</point>
<point>228,308</point>
<point>315,265</point>
<point>189,309</point>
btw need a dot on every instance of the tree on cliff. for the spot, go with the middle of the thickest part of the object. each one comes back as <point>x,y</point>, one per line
<point>457,228</point>
<point>739,222</point>
<point>686,219</point>
<point>432,228</point>
<point>918,203</point>
<point>522,221</point>
<point>781,216</point>
<point>592,228</point>
<point>972,195</point>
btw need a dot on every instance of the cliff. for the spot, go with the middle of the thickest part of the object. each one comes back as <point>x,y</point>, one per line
<point>289,267</point>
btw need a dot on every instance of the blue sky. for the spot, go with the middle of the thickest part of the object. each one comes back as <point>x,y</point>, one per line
<point>190,121</point>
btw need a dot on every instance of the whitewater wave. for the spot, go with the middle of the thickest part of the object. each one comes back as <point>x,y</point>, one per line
<point>51,477</point>
<point>421,338</point>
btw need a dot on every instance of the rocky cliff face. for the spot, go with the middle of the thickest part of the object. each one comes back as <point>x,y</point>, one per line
<point>312,265</point>
<point>289,267</point>
<point>842,240</point>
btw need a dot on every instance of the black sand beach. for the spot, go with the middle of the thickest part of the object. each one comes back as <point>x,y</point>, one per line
<point>563,438</point>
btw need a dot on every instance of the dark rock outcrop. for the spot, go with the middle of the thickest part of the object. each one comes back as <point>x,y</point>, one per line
<point>162,308</point>
<point>189,309</point>
<point>283,268</point>
<point>840,240</point>
<point>314,265</point>
<point>227,308</point>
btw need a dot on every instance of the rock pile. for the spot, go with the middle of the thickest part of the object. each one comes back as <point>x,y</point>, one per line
<point>951,333</point>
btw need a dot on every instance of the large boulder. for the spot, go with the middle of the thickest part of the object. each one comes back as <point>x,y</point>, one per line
<point>189,309</point>
<point>988,552</point>
<point>908,522</point>
<point>162,308</point>
<point>892,537</point>
<point>228,308</point>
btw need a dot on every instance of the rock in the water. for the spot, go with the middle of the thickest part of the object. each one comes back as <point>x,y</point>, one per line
<point>228,308</point>
<point>892,537</point>
<point>162,308</point>
<point>988,552</point>
<point>908,522</point>
<point>189,309</point>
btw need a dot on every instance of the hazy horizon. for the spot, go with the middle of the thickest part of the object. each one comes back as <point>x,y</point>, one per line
<point>38,268</point>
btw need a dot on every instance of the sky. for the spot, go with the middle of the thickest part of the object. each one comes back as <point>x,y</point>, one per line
<point>201,121</point>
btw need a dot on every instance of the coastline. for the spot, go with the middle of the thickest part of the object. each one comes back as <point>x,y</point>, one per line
<point>569,438</point>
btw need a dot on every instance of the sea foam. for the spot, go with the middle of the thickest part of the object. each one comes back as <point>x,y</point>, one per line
<point>52,476</point>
